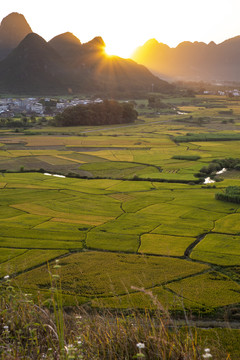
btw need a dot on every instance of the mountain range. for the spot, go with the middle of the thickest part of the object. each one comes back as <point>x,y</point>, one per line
<point>30,65</point>
<point>192,61</point>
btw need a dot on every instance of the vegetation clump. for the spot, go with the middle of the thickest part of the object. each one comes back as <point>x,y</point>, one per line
<point>156,103</point>
<point>106,113</point>
<point>217,165</point>
<point>186,157</point>
<point>229,163</point>
<point>36,331</point>
<point>206,137</point>
<point>231,194</point>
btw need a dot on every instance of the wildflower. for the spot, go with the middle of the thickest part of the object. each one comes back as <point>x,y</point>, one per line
<point>207,354</point>
<point>6,277</point>
<point>69,348</point>
<point>140,346</point>
<point>57,266</point>
<point>5,327</point>
<point>55,276</point>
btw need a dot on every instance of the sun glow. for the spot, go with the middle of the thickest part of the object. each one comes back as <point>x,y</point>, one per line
<point>123,51</point>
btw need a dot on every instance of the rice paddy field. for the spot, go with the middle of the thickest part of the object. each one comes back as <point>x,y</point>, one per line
<point>120,214</point>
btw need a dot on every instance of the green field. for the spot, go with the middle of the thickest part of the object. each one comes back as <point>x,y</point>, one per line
<point>135,217</point>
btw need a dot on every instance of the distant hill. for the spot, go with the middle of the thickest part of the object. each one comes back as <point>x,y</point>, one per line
<point>13,30</point>
<point>67,45</point>
<point>105,72</point>
<point>192,61</point>
<point>32,67</point>
<point>65,65</point>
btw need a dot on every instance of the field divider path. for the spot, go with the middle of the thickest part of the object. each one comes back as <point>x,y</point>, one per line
<point>163,284</point>
<point>155,203</point>
<point>45,221</point>
<point>190,248</point>
<point>145,233</point>
<point>96,226</point>
<point>109,187</point>
<point>145,164</point>
<point>13,275</point>
<point>84,241</point>
<point>14,257</point>
<point>180,296</point>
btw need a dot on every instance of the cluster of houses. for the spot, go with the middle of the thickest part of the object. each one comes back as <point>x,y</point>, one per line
<point>9,107</point>
<point>229,93</point>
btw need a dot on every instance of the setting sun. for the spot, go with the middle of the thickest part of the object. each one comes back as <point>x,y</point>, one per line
<point>128,24</point>
<point>123,51</point>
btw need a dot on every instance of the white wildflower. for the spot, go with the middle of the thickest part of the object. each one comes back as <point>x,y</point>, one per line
<point>6,277</point>
<point>69,348</point>
<point>55,276</point>
<point>140,346</point>
<point>207,354</point>
<point>57,266</point>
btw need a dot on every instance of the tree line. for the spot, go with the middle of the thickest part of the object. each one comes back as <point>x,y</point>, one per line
<point>231,194</point>
<point>189,137</point>
<point>218,164</point>
<point>105,113</point>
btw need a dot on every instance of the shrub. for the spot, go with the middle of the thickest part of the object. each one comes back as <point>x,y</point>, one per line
<point>231,194</point>
<point>186,157</point>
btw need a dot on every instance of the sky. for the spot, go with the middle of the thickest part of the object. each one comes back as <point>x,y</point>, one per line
<point>126,24</point>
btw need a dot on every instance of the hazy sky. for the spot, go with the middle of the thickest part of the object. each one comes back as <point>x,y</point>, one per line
<point>126,24</point>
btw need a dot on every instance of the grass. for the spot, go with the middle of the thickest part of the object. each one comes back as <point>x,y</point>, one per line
<point>218,249</point>
<point>113,241</point>
<point>106,274</point>
<point>120,243</point>
<point>30,331</point>
<point>164,244</point>
<point>207,289</point>
<point>27,259</point>
<point>228,224</point>
<point>115,215</point>
<point>7,254</point>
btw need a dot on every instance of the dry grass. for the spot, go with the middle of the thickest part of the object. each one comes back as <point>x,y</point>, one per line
<point>30,330</point>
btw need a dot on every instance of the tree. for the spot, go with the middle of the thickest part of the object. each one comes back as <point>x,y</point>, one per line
<point>105,113</point>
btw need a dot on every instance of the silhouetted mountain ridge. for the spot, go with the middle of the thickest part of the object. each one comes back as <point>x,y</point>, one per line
<point>66,44</point>
<point>31,66</point>
<point>13,30</point>
<point>65,65</point>
<point>192,61</point>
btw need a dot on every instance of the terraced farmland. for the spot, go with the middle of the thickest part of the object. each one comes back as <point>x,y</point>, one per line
<point>111,235</point>
<point>137,218</point>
